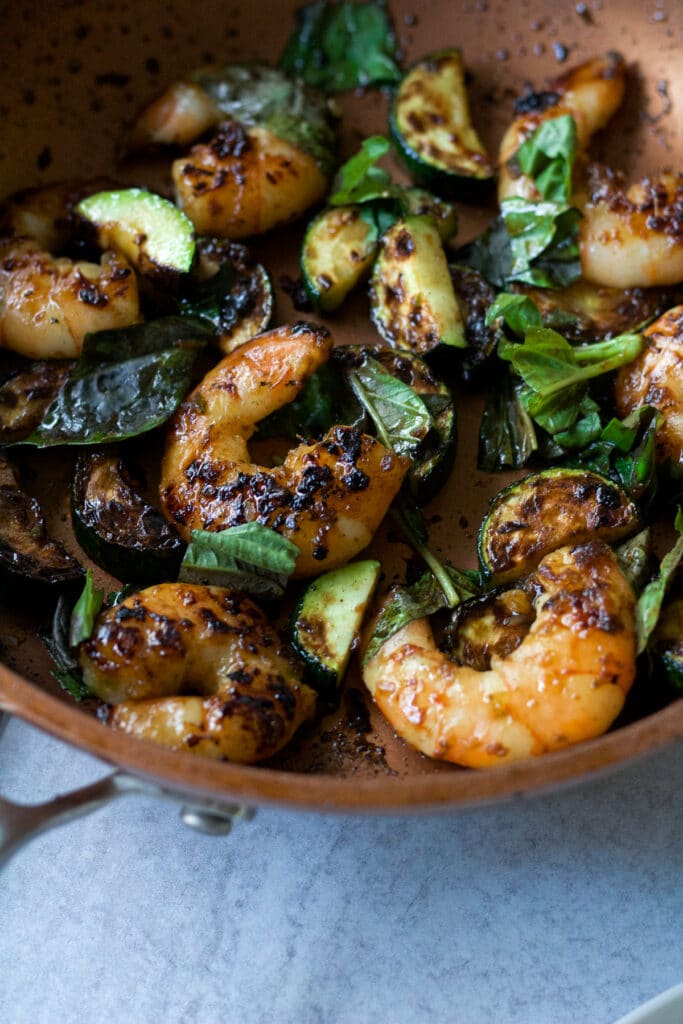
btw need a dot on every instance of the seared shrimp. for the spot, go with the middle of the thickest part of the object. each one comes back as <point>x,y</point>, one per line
<point>591,93</point>
<point>181,114</point>
<point>632,237</point>
<point>564,683</point>
<point>196,668</point>
<point>48,304</point>
<point>328,498</point>
<point>246,181</point>
<point>46,214</point>
<point>655,378</point>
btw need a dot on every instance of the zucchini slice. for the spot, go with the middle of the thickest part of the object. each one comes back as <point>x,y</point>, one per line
<point>474,296</point>
<point>491,625</point>
<point>546,510</point>
<point>26,395</point>
<point>147,229</point>
<point>338,251</point>
<point>32,565</point>
<point>327,620</point>
<point>668,641</point>
<point>114,524</point>
<point>433,460</point>
<point>431,125</point>
<point>418,202</point>
<point>412,300</point>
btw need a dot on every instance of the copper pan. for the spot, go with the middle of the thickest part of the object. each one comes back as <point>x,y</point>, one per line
<point>68,83</point>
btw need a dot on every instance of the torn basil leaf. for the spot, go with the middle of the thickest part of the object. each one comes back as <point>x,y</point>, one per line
<point>340,46</point>
<point>66,668</point>
<point>625,451</point>
<point>251,558</point>
<point>359,180</point>
<point>650,601</point>
<point>634,557</point>
<point>548,157</point>
<point>507,436</point>
<point>85,611</point>
<point>518,312</point>
<point>400,416</point>
<point>126,382</point>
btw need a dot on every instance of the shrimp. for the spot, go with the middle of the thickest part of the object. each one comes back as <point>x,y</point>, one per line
<point>177,117</point>
<point>564,683</point>
<point>632,237</point>
<point>591,93</point>
<point>196,668</point>
<point>655,378</point>
<point>246,181</point>
<point>48,304</point>
<point>328,497</point>
<point>47,213</point>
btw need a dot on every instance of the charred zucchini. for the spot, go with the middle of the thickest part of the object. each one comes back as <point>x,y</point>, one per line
<point>418,202</point>
<point>431,125</point>
<point>667,641</point>
<point>235,295</point>
<point>32,565</point>
<point>547,510</point>
<point>26,396</point>
<point>432,461</point>
<point>114,524</point>
<point>585,312</point>
<point>147,229</point>
<point>474,296</point>
<point>327,621</point>
<point>412,300</point>
<point>338,251</point>
<point>487,626</point>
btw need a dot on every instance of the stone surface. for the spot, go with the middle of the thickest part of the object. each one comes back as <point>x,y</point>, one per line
<point>563,909</point>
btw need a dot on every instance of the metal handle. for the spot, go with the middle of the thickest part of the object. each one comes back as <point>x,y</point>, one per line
<point>21,822</point>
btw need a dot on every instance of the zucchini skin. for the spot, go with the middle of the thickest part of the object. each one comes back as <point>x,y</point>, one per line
<point>33,566</point>
<point>668,642</point>
<point>433,460</point>
<point>462,169</point>
<point>117,527</point>
<point>548,510</point>
<point>492,624</point>
<point>326,623</point>
<point>338,251</point>
<point>412,301</point>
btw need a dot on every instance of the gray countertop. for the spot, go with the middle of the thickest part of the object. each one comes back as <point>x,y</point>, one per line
<point>564,908</point>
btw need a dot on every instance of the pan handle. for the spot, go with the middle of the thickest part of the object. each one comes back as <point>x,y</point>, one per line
<point>21,822</point>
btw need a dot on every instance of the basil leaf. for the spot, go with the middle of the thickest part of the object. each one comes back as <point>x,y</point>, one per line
<point>518,312</point>
<point>556,375</point>
<point>634,557</point>
<point>625,452</point>
<point>250,557</point>
<point>126,382</point>
<point>548,157</point>
<point>507,437</point>
<point>359,180</point>
<point>66,669</point>
<point>399,414</point>
<point>339,46</point>
<point>323,401</point>
<point>650,601</point>
<point>85,611</point>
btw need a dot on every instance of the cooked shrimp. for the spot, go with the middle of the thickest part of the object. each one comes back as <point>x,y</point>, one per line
<point>246,181</point>
<point>181,114</point>
<point>46,214</point>
<point>632,237</point>
<point>328,498</point>
<point>655,378</point>
<point>48,304</point>
<point>564,683</point>
<point>196,668</point>
<point>591,93</point>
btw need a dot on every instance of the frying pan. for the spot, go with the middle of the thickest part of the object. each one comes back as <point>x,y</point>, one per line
<point>68,84</point>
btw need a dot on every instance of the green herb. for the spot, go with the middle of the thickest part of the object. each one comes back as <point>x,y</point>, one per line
<point>66,671</point>
<point>312,412</point>
<point>650,601</point>
<point>528,244</point>
<point>85,611</point>
<point>556,375</point>
<point>625,451</point>
<point>339,46</point>
<point>507,436</point>
<point>258,95</point>
<point>634,557</point>
<point>359,180</point>
<point>401,418</point>
<point>548,157</point>
<point>250,557</point>
<point>518,312</point>
<point>126,382</point>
